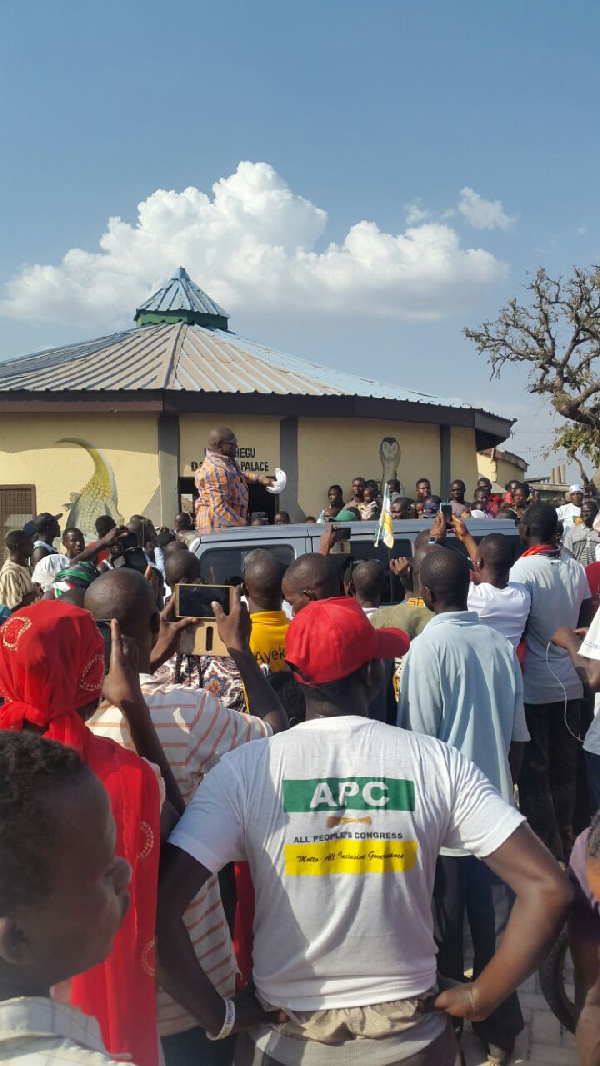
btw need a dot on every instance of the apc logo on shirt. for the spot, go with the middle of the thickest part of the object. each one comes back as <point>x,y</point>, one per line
<point>349,793</point>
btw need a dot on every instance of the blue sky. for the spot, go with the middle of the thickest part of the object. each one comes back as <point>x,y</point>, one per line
<point>451,145</point>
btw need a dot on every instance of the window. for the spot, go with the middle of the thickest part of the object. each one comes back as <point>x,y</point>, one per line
<point>517,544</point>
<point>393,591</point>
<point>17,506</point>
<point>225,566</point>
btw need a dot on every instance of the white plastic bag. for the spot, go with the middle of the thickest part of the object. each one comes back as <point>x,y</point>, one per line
<point>279,484</point>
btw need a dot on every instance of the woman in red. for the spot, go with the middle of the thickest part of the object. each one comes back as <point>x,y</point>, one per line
<point>51,678</point>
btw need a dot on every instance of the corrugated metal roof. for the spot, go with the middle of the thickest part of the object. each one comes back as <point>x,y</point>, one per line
<point>193,354</point>
<point>182,357</point>
<point>182,294</point>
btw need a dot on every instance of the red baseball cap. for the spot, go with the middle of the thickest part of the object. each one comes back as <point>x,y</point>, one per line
<point>330,639</point>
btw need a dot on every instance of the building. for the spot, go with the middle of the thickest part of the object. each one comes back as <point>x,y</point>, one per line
<point>553,487</point>
<point>501,467</point>
<point>120,423</point>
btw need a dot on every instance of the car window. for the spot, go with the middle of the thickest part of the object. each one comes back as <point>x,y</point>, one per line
<point>517,544</point>
<point>225,566</point>
<point>393,591</point>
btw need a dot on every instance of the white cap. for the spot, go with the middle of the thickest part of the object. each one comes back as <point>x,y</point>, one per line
<point>576,488</point>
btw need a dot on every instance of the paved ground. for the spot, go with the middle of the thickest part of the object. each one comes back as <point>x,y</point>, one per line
<point>543,1042</point>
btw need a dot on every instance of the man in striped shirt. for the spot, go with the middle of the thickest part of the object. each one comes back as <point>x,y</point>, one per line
<point>195,730</point>
<point>222,487</point>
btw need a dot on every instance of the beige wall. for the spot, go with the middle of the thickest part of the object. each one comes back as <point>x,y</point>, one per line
<point>30,454</point>
<point>499,470</point>
<point>329,450</point>
<point>260,434</point>
<point>486,467</point>
<point>338,449</point>
<point>509,472</point>
<point>463,457</point>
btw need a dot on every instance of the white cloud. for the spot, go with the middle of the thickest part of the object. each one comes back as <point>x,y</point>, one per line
<point>415,213</point>
<point>483,214</point>
<point>581,231</point>
<point>252,245</point>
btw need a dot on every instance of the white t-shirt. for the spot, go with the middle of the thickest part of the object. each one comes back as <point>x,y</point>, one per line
<point>567,514</point>
<point>558,587</point>
<point>342,820</point>
<point>590,648</point>
<point>506,610</point>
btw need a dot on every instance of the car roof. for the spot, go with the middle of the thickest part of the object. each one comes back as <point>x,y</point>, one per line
<point>477,527</point>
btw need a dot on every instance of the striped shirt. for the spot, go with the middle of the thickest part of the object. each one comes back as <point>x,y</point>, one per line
<point>15,584</point>
<point>222,493</point>
<point>195,730</point>
<point>37,1031</point>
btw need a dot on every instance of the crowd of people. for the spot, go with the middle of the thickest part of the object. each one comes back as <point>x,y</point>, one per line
<point>365,500</point>
<point>268,857</point>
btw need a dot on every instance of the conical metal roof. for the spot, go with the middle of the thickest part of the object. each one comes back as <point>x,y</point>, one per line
<point>184,346</point>
<point>190,358</point>
<point>181,300</point>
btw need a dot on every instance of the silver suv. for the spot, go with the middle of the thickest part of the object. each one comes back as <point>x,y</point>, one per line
<point>222,554</point>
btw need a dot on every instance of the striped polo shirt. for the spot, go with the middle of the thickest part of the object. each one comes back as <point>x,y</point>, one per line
<point>195,730</point>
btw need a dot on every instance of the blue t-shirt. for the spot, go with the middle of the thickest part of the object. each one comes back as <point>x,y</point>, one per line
<point>461,682</point>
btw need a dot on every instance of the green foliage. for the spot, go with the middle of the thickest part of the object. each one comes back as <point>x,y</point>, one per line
<point>575,437</point>
<point>557,334</point>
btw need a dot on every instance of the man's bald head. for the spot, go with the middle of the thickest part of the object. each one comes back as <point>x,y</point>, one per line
<point>311,577</point>
<point>125,595</point>
<point>445,578</point>
<point>497,551</point>
<point>422,539</point>
<point>263,574</point>
<point>421,553</point>
<point>365,581</point>
<point>143,529</point>
<point>223,441</point>
<point>181,566</point>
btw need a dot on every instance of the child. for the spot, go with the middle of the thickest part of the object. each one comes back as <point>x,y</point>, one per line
<point>369,508</point>
<point>63,896</point>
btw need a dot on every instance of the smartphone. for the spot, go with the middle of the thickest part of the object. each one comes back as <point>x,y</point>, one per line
<point>103,625</point>
<point>341,545</point>
<point>446,509</point>
<point>194,601</point>
<point>342,533</point>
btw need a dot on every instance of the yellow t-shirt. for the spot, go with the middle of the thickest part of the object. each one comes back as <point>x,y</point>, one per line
<point>267,639</point>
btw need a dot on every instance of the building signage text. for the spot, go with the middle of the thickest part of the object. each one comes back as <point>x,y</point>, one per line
<point>247,460</point>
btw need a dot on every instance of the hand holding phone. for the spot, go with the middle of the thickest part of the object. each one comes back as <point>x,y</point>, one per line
<point>195,601</point>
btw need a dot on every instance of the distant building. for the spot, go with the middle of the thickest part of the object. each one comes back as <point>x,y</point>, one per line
<point>553,487</point>
<point>119,424</point>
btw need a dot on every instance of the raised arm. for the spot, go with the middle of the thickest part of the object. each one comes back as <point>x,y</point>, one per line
<point>122,688</point>
<point>234,631</point>
<point>89,553</point>
<point>462,534</point>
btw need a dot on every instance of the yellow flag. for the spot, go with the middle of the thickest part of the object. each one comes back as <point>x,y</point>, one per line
<point>385,529</point>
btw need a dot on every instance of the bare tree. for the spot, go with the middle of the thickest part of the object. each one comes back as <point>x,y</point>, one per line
<point>558,335</point>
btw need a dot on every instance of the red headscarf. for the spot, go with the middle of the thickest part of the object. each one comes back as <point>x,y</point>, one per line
<point>51,665</point>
